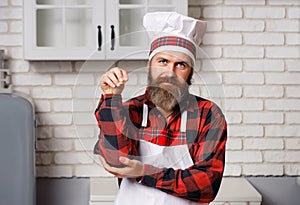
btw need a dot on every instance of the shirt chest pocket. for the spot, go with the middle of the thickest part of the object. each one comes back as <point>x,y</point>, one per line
<point>162,137</point>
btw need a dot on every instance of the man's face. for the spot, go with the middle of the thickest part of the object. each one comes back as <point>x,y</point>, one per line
<point>169,77</point>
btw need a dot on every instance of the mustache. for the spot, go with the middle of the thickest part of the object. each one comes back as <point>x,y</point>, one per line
<point>171,80</point>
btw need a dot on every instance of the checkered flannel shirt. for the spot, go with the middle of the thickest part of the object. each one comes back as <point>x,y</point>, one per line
<point>206,135</point>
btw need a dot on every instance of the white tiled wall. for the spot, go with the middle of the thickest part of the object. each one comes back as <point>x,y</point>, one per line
<point>250,52</point>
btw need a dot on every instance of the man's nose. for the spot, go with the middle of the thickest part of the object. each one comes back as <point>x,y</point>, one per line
<point>170,69</point>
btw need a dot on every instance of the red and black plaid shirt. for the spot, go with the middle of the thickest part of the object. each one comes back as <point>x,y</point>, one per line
<point>206,134</point>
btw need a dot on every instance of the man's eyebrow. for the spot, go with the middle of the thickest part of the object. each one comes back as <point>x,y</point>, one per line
<point>182,62</point>
<point>161,58</point>
<point>187,62</point>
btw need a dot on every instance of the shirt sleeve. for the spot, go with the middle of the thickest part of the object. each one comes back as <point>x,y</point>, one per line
<point>114,128</point>
<point>200,182</point>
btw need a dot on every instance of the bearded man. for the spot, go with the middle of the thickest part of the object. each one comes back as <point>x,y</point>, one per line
<point>167,145</point>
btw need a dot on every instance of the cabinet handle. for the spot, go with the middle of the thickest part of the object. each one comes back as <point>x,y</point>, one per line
<point>99,38</point>
<point>112,37</point>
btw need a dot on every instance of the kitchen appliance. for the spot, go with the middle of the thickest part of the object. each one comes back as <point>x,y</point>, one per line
<point>17,144</point>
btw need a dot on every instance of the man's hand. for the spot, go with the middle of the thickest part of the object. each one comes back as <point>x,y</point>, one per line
<point>112,82</point>
<point>133,168</point>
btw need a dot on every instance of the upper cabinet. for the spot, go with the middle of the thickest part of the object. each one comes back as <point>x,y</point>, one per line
<point>89,29</point>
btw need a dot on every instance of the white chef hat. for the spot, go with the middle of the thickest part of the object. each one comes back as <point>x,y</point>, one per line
<point>173,31</point>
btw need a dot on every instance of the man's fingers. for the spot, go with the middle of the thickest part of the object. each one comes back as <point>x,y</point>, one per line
<point>111,76</point>
<point>133,168</point>
<point>113,80</point>
<point>120,74</point>
<point>126,161</point>
<point>107,80</point>
<point>108,168</point>
<point>103,162</point>
<point>124,75</point>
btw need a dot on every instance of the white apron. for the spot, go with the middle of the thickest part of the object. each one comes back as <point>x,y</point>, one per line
<point>176,157</point>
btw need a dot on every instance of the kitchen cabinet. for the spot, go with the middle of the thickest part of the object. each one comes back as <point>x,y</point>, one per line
<point>89,29</point>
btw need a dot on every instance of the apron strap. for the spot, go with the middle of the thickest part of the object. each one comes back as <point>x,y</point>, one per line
<point>183,122</point>
<point>145,115</point>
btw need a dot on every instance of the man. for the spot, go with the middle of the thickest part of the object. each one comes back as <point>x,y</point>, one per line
<point>167,144</point>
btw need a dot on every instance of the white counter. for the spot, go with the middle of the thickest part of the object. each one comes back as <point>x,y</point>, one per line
<point>233,191</point>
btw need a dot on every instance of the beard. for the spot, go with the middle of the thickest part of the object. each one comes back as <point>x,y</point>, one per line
<point>167,96</point>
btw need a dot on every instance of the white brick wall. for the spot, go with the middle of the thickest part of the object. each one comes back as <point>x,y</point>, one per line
<point>293,13</point>
<point>31,80</point>
<point>72,158</point>
<point>3,27</point>
<point>243,78</point>
<point>11,13</point>
<point>292,65</point>
<point>263,65</point>
<point>282,26</point>
<point>243,156</point>
<point>263,169</point>
<point>264,12</point>
<point>264,39</point>
<point>51,92</point>
<point>249,64</point>
<point>284,3</point>
<point>244,25</point>
<point>243,52</point>
<point>263,144</point>
<point>283,52</point>
<point>245,130</point>
<point>222,12</point>
<point>3,2</point>
<point>222,39</point>
<point>244,2</point>
<point>263,91</point>
<point>263,117</point>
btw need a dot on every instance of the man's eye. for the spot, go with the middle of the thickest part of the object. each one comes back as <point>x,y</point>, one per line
<point>163,61</point>
<point>181,65</point>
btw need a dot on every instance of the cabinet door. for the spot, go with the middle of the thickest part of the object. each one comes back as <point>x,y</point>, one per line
<point>61,30</point>
<point>124,23</point>
<point>128,39</point>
